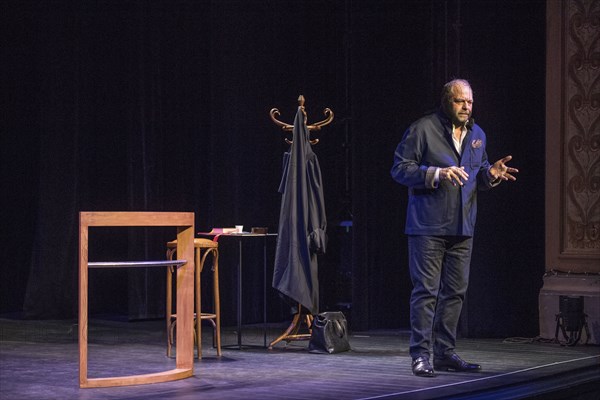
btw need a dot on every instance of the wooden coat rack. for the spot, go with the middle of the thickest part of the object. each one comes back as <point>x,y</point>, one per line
<point>295,331</point>
<point>313,127</point>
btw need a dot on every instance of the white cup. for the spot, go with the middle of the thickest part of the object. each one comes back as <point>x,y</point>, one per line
<point>239,228</point>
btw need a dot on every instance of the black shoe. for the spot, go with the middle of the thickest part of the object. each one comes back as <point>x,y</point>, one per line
<point>455,363</point>
<point>421,367</point>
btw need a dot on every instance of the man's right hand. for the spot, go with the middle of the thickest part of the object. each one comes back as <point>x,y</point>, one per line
<point>456,175</point>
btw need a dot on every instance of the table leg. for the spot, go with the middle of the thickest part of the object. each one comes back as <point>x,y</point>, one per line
<point>265,292</point>
<point>240,296</point>
<point>239,310</point>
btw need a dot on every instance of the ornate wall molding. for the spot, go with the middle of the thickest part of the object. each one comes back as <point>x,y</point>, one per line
<point>582,136</point>
<point>573,136</point>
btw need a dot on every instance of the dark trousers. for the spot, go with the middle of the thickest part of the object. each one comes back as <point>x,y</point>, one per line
<point>439,270</point>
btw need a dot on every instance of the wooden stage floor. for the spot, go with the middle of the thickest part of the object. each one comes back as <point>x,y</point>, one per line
<point>39,360</point>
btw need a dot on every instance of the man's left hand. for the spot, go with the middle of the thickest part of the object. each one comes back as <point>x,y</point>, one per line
<point>499,170</point>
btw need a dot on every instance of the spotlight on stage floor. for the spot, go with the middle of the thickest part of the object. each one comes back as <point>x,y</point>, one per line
<point>571,320</point>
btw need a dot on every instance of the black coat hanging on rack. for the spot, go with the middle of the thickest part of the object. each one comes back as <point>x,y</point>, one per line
<point>302,220</point>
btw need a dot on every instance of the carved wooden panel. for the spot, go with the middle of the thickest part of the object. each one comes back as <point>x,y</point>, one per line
<point>582,134</point>
<point>573,136</point>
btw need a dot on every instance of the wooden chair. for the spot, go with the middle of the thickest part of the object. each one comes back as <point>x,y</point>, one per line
<point>202,249</point>
<point>184,365</point>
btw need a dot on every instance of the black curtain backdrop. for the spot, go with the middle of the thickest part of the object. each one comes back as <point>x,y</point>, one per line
<point>163,106</point>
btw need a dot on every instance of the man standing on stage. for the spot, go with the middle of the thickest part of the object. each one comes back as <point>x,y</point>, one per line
<point>443,161</point>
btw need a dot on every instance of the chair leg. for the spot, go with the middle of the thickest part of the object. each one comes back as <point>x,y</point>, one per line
<point>171,335</point>
<point>198,270</point>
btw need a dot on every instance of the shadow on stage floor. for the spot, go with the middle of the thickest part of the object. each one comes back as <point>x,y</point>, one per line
<point>39,360</point>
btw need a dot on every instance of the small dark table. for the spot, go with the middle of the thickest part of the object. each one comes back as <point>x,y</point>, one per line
<point>240,237</point>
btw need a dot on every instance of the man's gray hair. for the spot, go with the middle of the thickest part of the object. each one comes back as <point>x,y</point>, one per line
<point>447,89</point>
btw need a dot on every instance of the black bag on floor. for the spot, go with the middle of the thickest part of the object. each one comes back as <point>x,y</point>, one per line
<point>329,333</point>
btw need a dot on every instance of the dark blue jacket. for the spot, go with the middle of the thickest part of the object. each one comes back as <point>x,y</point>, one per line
<point>445,209</point>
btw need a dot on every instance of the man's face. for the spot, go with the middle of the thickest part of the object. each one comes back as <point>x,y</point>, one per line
<point>460,105</point>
